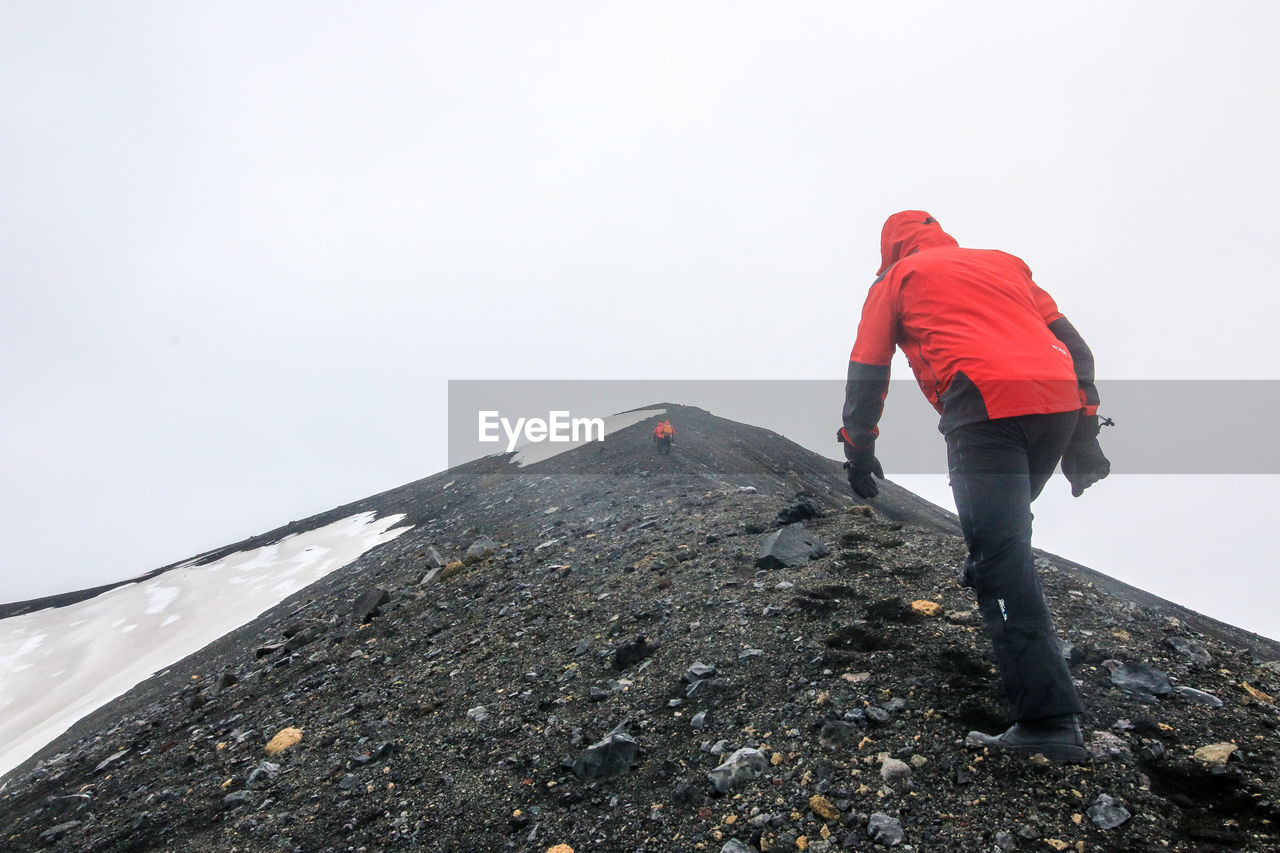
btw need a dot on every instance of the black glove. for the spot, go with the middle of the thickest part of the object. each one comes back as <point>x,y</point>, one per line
<point>861,464</point>
<point>1082,461</point>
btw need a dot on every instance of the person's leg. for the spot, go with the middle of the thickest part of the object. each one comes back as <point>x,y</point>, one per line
<point>991,479</point>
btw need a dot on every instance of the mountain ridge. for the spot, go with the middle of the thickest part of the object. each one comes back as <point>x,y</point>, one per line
<point>670,544</point>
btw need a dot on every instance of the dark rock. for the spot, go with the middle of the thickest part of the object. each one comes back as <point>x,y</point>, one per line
<point>838,733</point>
<point>1139,679</point>
<point>877,716</point>
<point>789,547</point>
<point>804,508</point>
<point>267,649</point>
<point>109,760</point>
<point>482,547</point>
<point>1198,696</point>
<point>610,757</point>
<point>262,774</point>
<point>1192,650</point>
<point>632,653</point>
<point>740,767</point>
<point>54,833</point>
<point>306,635</point>
<point>885,830</point>
<point>239,798</point>
<point>1152,751</point>
<point>434,560</point>
<point>699,670</point>
<point>754,527</point>
<point>366,606</point>
<point>1106,813</point>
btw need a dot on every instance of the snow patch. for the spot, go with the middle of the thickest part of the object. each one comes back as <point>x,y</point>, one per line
<point>107,644</point>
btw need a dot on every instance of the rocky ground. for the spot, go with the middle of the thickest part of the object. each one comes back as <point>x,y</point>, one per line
<point>593,652</point>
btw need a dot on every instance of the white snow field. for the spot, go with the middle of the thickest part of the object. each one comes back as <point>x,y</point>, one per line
<point>59,664</point>
<point>533,452</point>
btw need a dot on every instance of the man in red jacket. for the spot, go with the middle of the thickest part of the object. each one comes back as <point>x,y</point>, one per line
<point>1013,382</point>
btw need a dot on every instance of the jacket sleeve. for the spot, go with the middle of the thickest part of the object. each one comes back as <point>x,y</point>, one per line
<point>868,378</point>
<point>1082,357</point>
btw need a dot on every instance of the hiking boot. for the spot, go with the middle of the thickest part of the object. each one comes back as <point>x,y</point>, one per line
<point>1056,738</point>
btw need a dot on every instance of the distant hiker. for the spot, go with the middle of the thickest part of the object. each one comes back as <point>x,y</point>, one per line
<point>1013,382</point>
<point>663,435</point>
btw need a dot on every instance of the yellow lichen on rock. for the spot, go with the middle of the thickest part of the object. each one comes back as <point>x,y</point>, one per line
<point>928,608</point>
<point>284,739</point>
<point>823,808</point>
<point>1216,753</point>
<point>1256,693</point>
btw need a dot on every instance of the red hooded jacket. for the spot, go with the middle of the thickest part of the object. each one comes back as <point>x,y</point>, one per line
<point>983,340</point>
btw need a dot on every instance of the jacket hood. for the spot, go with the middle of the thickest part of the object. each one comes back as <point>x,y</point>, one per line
<point>908,232</point>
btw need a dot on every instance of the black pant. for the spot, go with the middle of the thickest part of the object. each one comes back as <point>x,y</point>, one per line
<point>997,469</point>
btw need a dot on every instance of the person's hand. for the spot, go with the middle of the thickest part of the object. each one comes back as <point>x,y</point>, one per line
<point>1083,462</point>
<point>860,479</point>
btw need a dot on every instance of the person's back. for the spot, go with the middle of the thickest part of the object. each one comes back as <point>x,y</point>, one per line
<point>982,339</point>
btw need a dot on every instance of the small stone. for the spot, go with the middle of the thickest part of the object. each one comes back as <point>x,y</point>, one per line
<point>1152,751</point>
<point>1139,679</point>
<point>885,830</point>
<point>918,761</point>
<point>789,547</point>
<point>698,671</point>
<point>1106,813</point>
<point>733,845</point>
<point>699,720</point>
<point>1192,650</point>
<point>1198,696</point>
<point>54,833</point>
<point>1105,746</point>
<point>632,653</point>
<point>283,739</point>
<point>610,757</point>
<point>894,771</point>
<point>741,766</point>
<point>560,848</point>
<point>823,808</point>
<point>837,733</point>
<point>111,759</point>
<point>478,714</point>
<point>239,798</point>
<point>482,547</point>
<point>1216,753</point>
<point>366,606</point>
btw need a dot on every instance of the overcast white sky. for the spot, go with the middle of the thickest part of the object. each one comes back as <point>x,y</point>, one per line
<point>243,246</point>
